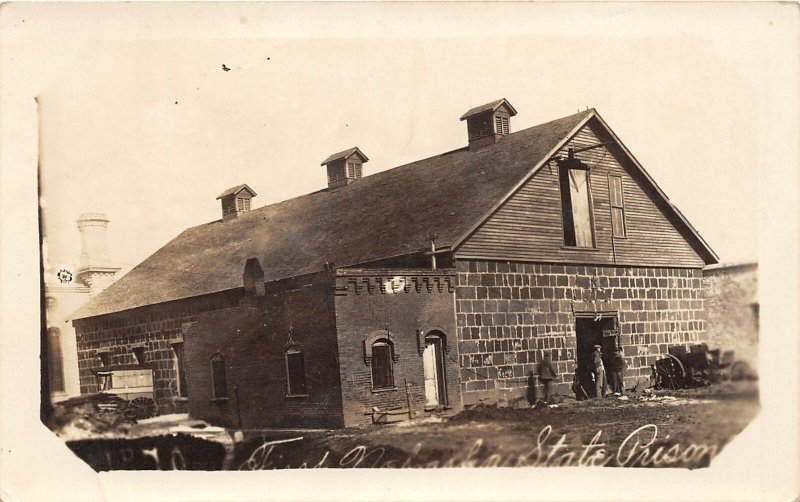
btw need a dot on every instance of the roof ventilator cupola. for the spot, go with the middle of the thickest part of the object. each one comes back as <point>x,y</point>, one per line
<point>344,167</point>
<point>487,124</point>
<point>236,201</point>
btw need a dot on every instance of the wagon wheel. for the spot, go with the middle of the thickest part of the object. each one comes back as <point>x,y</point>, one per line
<point>141,407</point>
<point>672,377</point>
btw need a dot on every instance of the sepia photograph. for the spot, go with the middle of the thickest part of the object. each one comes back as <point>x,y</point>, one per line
<point>401,236</point>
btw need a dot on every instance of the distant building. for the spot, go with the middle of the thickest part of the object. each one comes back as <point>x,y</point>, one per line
<point>66,289</point>
<point>730,292</point>
<point>437,284</point>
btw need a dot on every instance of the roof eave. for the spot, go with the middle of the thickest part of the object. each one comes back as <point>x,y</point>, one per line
<point>345,154</point>
<point>498,104</point>
<point>237,190</point>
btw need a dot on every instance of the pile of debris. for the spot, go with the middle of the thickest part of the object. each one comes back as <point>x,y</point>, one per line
<point>91,415</point>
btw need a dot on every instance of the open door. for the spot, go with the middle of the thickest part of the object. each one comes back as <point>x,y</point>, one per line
<point>433,366</point>
<point>591,330</point>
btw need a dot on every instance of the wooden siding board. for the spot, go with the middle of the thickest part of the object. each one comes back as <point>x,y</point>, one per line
<point>528,226</point>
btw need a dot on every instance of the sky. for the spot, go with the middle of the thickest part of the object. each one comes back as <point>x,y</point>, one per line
<point>150,130</point>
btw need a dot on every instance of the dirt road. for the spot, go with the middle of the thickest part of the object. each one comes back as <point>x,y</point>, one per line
<point>684,428</point>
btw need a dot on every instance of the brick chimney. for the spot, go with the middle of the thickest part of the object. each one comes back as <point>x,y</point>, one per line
<point>344,167</point>
<point>487,124</point>
<point>236,201</point>
<point>94,268</point>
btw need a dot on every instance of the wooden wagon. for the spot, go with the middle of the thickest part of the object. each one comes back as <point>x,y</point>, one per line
<point>698,367</point>
<point>132,383</point>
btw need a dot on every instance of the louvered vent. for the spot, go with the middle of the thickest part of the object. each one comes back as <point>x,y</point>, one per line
<point>486,124</point>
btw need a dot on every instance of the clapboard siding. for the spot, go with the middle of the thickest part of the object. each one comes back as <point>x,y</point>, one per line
<point>528,226</point>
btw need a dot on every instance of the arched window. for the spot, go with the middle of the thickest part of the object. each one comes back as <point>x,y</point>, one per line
<point>295,372</point>
<point>381,364</point>
<point>218,376</point>
<point>55,360</point>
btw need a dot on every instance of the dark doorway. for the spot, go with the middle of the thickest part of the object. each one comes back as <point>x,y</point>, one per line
<point>591,330</point>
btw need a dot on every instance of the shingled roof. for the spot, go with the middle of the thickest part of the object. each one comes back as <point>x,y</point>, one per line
<point>389,213</point>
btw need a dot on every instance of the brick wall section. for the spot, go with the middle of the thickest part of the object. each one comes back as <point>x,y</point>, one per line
<point>425,302</point>
<point>510,313</point>
<point>254,339</point>
<point>155,328</point>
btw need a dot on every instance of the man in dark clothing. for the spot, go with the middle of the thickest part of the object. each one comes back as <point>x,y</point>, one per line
<point>547,373</point>
<point>600,383</point>
<point>616,367</point>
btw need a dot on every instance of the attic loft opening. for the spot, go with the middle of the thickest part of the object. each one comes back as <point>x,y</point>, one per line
<point>576,202</point>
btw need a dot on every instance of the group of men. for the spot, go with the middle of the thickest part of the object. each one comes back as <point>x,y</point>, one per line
<point>613,377</point>
<point>603,377</point>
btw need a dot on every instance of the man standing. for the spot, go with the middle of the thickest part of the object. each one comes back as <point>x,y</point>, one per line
<point>599,372</point>
<point>547,373</point>
<point>615,369</point>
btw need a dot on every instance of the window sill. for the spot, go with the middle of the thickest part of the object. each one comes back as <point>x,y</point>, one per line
<point>383,389</point>
<point>578,248</point>
<point>182,399</point>
<point>296,395</point>
<point>219,400</point>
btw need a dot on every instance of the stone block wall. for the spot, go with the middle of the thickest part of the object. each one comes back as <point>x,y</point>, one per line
<point>366,305</point>
<point>730,293</point>
<point>509,314</point>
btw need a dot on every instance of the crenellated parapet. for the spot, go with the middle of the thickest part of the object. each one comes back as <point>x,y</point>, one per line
<point>394,281</point>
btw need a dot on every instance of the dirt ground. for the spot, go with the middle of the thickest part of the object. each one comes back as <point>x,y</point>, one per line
<point>685,428</point>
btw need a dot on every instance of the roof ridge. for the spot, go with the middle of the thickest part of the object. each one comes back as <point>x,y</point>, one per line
<point>406,165</point>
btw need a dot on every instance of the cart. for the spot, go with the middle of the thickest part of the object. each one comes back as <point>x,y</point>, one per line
<point>697,367</point>
<point>134,384</point>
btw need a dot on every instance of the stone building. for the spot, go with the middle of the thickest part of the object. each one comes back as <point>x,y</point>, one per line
<point>730,294</point>
<point>66,289</point>
<point>436,284</point>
